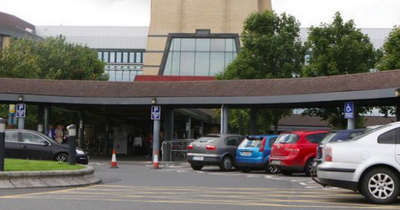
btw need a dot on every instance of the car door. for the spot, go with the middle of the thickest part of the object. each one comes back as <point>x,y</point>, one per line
<point>34,147</point>
<point>398,145</point>
<point>12,145</point>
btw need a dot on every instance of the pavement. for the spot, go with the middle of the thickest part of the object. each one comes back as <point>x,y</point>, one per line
<point>177,186</point>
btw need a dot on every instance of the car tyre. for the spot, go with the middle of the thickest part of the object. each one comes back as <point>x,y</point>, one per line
<point>61,157</point>
<point>245,169</point>
<point>287,173</point>
<point>196,167</point>
<point>226,163</point>
<point>308,168</point>
<point>271,169</point>
<point>380,186</point>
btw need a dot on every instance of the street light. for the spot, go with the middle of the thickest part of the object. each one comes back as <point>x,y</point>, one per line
<point>154,101</point>
<point>20,98</point>
<point>72,144</point>
<point>397,92</point>
<point>2,142</point>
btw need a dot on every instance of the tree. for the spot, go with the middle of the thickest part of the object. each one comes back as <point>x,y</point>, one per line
<point>271,49</point>
<point>390,58</point>
<point>52,58</point>
<point>338,48</point>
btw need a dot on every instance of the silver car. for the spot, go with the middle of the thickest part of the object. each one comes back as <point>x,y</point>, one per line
<point>369,164</point>
<point>214,150</point>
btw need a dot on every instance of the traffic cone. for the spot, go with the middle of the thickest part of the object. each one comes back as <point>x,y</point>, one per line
<point>155,161</point>
<point>114,160</point>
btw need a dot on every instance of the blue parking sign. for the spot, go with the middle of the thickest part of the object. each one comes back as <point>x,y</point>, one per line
<point>21,110</point>
<point>349,110</point>
<point>155,112</point>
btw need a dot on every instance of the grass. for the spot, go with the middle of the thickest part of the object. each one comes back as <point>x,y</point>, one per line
<point>33,165</point>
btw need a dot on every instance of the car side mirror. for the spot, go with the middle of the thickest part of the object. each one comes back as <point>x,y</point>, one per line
<point>46,143</point>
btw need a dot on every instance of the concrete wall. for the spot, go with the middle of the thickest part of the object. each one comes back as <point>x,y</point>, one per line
<point>185,16</point>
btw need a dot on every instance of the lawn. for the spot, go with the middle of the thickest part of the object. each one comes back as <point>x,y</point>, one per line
<point>33,165</point>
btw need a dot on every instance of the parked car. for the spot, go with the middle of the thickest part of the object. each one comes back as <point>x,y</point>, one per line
<point>26,144</point>
<point>334,136</point>
<point>368,163</point>
<point>295,151</point>
<point>253,153</point>
<point>218,150</point>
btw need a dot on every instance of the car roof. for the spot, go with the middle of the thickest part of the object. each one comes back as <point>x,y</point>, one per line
<point>348,131</point>
<point>300,132</point>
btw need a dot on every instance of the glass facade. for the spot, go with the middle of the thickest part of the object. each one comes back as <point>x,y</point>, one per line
<point>122,65</point>
<point>199,56</point>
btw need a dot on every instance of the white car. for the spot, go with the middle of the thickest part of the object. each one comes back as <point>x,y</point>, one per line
<point>369,164</point>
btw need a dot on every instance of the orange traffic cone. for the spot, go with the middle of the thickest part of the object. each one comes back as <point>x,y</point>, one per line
<point>155,161</point>
<point>114,160</point>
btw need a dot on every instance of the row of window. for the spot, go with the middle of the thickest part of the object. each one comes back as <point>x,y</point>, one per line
<point>202,45</point>
<point>121,73</point>
<point>120,57</point>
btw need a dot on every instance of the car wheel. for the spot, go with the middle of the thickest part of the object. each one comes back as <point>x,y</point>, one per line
<point>308,168</point>
<point>197,167</point>
<point>226,163</point>
<point>245,169</point>
<point>270,169</point>
<point>287,173</point>
<point>380,186</point>
<point>61,157</point>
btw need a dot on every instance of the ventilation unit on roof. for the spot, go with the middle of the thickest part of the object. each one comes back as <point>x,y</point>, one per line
<point>30,30</point>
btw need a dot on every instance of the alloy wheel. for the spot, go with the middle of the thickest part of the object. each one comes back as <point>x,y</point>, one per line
<point>381,186</point>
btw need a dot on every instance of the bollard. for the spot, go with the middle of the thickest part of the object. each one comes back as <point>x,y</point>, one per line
<point>2,142</point>
<point>72,144</point>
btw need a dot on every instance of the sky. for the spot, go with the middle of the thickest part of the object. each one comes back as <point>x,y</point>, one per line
<point>366,13</point>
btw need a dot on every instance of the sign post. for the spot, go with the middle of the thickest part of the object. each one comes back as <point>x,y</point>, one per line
<point>156,116</point>
<point>349,115</point>
<point>21,113</point>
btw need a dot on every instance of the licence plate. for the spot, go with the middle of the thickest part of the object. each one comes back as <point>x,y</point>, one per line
<point>276,162</point>
<point>246,153</point>
<point>198,158</point>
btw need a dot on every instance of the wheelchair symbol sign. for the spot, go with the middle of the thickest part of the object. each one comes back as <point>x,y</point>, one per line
<point>349,110</point>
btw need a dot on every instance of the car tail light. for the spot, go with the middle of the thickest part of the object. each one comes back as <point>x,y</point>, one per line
<point>328,156</point>
<point>262,145</point>
<point>190,146</point>
<point>211,147</point>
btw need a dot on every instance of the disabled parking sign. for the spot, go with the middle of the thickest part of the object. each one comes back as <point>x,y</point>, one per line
<point>21,110</point>
<point>155,112</point>
<point>349,110</point>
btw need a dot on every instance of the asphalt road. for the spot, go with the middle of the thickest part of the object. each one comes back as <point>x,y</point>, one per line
<point>136,186</point>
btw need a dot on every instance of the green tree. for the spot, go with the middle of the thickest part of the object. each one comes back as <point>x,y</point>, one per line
<point>390,58</point>
<point>338,48</point>
<point>52,58</point>
<point>271,49</point>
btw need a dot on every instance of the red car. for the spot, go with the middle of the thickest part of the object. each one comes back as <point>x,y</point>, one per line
<point>295,151</point>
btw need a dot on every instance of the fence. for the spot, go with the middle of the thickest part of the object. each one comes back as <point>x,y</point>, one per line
<point>175,150</point>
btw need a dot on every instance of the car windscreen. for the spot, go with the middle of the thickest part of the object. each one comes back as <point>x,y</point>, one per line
<point>367,132</point>
<point>250,143</point>
<point>328,137</point>
<point>207,139</point>
<point>287,138</point>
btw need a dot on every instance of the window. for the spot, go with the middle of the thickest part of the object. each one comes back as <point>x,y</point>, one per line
<point>119,57</point>
<point>100,55</point>
<point>112,57</point>
<point>105,57</point>
<point>32,138</point>
<point>232,141</point>
<point>316,138</point>
<point>12,136</point>
<point>287,138</point>
<point>199,56</point>
<point>138,57</point>
<point>388,137</point>
<point>125,57</point>
<point>272,141</point>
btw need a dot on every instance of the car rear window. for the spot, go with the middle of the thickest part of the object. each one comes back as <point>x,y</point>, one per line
<point>329,137</point>
<point>287,138</point>
<point>251,142</point>
<point>207,139</point>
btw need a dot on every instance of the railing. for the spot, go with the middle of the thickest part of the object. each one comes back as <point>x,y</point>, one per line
<point>175,150</point>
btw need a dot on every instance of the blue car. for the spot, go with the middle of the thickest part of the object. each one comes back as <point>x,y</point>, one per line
<point>253,153</point>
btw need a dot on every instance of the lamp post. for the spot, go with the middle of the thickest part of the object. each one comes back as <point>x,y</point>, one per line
<point>72,144</point>
<point>2,142</point>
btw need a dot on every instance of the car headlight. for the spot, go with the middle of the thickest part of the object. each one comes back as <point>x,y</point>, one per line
<point>80,152</point>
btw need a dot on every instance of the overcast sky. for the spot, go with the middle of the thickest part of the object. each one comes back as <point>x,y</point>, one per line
<point>366,13</point>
